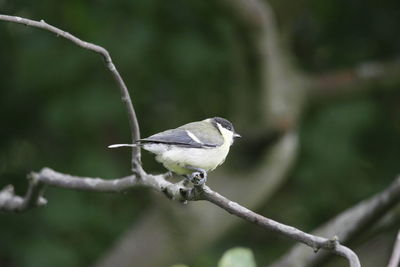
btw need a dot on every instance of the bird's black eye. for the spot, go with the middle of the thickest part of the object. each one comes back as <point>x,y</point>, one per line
<point>228,126</point>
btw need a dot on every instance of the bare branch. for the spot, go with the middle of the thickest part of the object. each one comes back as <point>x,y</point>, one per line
<point>34,194</point>
<point>133,122</point>
<point>57,179</point>
<point>8,200</point>
<point>158,183</point>
<point>11,202</point>
<point>312,241</point>
<point>179,191</point>
<point>395,258</point>
<point>346,225</point>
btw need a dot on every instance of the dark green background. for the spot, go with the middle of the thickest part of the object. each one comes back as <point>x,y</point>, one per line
<point>60,108</point>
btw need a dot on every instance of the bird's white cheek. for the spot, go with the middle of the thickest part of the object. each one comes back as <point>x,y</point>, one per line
<point>227,135</point>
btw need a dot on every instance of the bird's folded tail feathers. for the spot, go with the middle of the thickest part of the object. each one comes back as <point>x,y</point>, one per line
<point>123,145</point>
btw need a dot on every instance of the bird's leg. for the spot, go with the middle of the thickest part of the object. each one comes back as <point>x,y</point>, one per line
<point>198,176</point>
<point>169,175</point>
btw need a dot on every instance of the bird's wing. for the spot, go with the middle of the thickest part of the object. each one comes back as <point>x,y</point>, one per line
<point>176,137</point>
<point>182,136</point>
<point>204,132</point>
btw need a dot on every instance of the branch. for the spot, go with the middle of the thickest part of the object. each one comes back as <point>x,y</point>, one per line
<point>133,122</point>
<point>312,241</point>
<point>179,191</point>
<point>395,258</point>
<point>346,225</point>
<point>11,202</point>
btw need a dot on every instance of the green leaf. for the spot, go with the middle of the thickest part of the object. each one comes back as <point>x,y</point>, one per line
<point>237,257</point>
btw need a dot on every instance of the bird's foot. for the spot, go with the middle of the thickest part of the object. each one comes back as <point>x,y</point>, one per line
<point>198,177</point>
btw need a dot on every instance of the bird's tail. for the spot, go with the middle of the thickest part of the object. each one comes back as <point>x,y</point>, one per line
<point>123,145</point>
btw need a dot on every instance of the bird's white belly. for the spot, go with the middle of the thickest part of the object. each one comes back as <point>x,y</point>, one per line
<point>177,158</point>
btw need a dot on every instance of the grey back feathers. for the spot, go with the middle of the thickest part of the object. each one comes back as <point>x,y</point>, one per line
<point>194,135</point>
<point>199,134</point>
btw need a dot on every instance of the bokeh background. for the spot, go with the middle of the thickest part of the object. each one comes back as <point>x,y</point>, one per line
<point>185,61</point>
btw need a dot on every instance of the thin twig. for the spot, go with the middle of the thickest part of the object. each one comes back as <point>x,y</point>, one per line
<point>34,193</point>
<point>395,258</point>
<point>133,122</point>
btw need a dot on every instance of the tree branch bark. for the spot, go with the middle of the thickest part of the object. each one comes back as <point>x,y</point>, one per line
<point>178,191</point>
<point>11,202</point>
<point>312,241</point>
<point>33,197</point>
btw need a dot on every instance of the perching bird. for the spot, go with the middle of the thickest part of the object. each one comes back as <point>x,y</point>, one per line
<point>192,149</point>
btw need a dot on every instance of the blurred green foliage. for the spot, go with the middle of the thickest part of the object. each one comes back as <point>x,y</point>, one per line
<point>339,33</point>
<point>60,108</point>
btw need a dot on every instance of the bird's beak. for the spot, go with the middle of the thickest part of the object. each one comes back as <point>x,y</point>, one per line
<point>236,135</point>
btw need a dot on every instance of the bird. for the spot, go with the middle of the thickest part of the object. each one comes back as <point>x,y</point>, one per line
<point>191,150</point>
